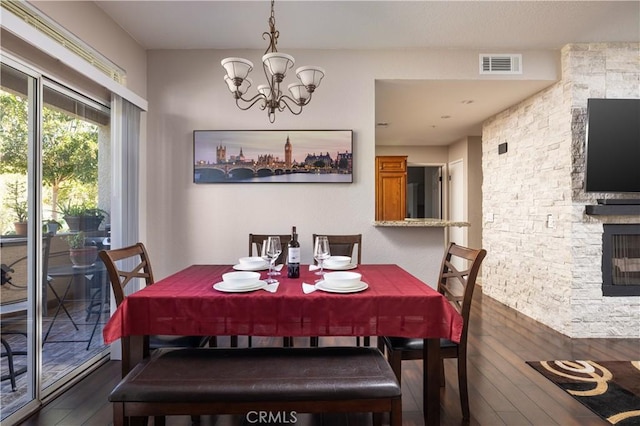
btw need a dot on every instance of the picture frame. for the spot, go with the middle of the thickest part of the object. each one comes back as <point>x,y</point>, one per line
<point>272,156</point>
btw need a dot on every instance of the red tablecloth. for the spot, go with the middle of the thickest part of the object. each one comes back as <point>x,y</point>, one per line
<point>395,304</point>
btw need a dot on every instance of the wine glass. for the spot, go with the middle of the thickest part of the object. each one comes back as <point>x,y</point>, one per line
<point>274,248</point>
<point>321,252</point>
<point>271,250</point>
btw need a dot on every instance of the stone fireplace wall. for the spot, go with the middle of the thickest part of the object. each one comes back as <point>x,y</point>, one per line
<point>544,252</point>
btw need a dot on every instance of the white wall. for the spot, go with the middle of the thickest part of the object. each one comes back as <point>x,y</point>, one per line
<point>210,223</point>
<point>474,191</point>
<point>423,155</point>
<point>88,22</point>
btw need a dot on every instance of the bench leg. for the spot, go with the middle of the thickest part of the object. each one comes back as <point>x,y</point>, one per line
<point>396,412</point>
<point>118,414</point>
<point>119,418</point>
<point>377,419</point>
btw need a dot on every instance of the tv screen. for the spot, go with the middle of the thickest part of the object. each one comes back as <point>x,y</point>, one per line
<point>613,145</point>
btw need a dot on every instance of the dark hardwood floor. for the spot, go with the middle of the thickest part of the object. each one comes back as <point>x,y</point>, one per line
<point>503,389</point>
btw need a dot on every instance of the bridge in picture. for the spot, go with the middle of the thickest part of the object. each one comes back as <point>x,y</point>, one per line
<point>225,172</point>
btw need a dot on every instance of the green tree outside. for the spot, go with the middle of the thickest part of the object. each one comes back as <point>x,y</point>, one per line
<point>69,151</point>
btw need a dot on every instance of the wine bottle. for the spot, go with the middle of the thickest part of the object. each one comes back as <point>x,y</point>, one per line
<point>293,256</point>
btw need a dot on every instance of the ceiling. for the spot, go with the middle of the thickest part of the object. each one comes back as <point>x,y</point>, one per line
<point>414,110</point>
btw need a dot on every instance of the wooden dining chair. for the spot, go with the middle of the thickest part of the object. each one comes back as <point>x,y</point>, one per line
<point>134,264</point>
<point>255,240</point>
<point>457,281</point>
<point>344,245</point>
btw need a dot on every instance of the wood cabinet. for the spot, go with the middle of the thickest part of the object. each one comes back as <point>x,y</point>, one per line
<point>391,187</point>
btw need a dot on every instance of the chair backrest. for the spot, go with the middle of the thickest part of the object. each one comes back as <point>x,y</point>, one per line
<point>257,239</point>
<point>13,296</point>
<point>457,280</point>
<point>135,265</point>
<point>343,245</point>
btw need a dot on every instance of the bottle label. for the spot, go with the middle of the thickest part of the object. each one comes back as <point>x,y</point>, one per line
<point>294,255</point>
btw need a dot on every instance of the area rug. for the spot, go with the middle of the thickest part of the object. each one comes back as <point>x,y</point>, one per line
<point>611,389</point>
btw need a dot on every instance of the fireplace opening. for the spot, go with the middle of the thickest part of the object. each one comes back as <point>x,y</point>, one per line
<point>621,260</point>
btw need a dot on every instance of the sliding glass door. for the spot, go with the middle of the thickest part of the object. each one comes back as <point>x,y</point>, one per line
<point>55,176</point>
<point>18,241</point>
<point>75,200</point>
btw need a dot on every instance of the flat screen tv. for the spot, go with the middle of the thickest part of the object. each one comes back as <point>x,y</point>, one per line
<point>613,145</point>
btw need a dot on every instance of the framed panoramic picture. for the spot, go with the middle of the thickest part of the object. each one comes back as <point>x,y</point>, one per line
<point>273,156</point>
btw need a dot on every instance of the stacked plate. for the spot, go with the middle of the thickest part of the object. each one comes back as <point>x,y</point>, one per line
<point>251,263</point>
<point>240,282</point>
<point>342,282</point>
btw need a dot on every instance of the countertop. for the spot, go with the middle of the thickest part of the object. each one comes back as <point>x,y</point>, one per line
<point>434,223</point>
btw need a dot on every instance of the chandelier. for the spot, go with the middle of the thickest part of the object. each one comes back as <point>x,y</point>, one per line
<point>275,66</point>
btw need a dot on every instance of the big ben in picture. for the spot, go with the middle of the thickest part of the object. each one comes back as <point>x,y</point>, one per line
<point>288,150</point>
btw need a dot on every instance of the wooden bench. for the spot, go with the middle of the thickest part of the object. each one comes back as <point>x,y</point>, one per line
<point>205,381</point>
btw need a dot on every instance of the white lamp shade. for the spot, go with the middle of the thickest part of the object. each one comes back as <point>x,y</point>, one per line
<point>266,91</point>
<point>246,83</point>
<point>237,67</point>
<point>278,63</point>
<point>298,91</point>
<point>242,89</point>
<point>310,75</point>
<point>230,85</point>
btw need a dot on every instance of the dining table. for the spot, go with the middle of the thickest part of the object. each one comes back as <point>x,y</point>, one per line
<point>390,302</point>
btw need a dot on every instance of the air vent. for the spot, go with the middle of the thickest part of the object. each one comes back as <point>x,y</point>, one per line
<point>501,64</point>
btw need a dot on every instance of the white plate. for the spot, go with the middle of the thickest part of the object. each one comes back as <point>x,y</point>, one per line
<point>322,285</point>
<point>341,267</point>
<point>240,267</point>
<point>222,286</point>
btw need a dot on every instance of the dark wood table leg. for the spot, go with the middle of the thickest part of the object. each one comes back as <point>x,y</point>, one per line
<point>431,380</point>
<point>133,351</point>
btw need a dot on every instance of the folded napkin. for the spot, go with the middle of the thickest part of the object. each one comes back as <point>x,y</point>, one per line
<point>278,267</point>
<point>308,288</point>
<point>313,267</point>
<point>271,288</point>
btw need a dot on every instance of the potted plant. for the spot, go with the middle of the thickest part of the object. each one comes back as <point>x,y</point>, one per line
<point>18,203</point>
<point>82,216</point>
<point>81,256</point>
<point>51,226</point>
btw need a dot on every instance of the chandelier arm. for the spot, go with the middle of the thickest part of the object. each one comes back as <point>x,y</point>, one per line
<point>251,101</point>
<point>304,103</point>
<point>283,101</point>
